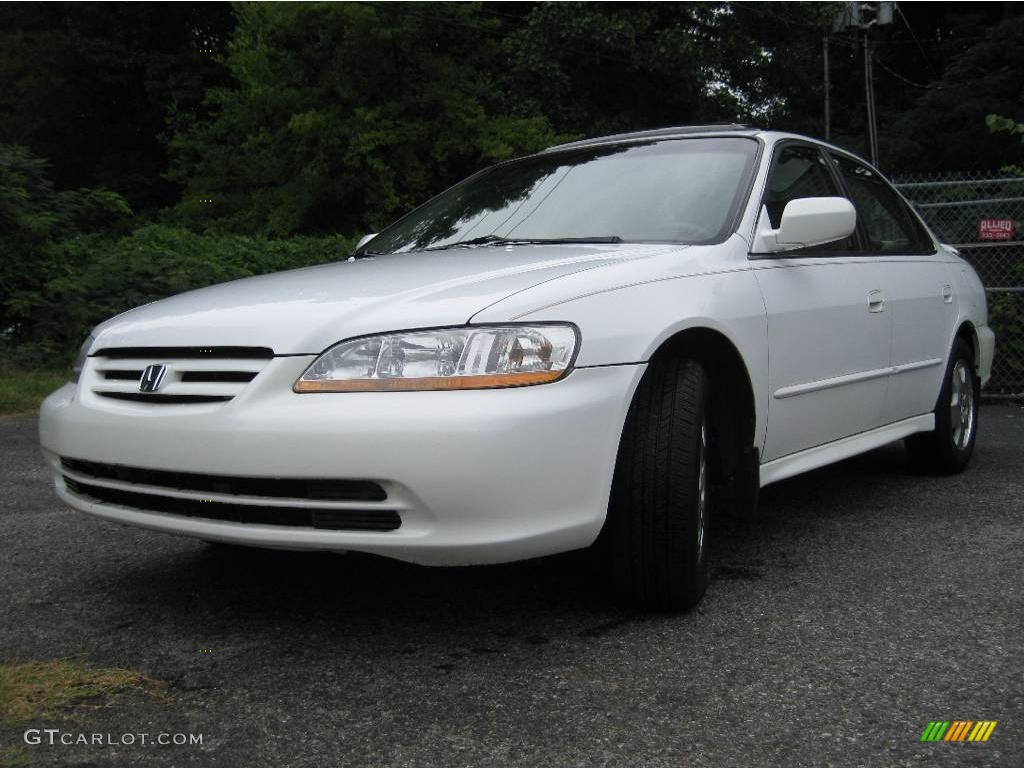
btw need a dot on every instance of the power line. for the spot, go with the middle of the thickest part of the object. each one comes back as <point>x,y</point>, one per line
<point>914,37</point>
<point>907,80</point>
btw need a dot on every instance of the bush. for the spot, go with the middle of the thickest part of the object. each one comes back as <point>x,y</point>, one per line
<point>70,261</point>
<point>33,218</point>
<point>89,278</point>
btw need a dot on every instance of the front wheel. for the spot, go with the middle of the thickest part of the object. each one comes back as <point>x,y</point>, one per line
<point>948,448</point>
<point>658,515</point>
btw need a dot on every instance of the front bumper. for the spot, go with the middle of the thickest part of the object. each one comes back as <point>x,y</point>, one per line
<point>476,476</point>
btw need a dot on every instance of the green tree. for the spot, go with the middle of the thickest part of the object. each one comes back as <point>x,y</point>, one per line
<point>34,218</point>
<point>344,115</point>
<point>1007,125</point>
<point>94,86</point>
<point>945,129</point>
<point>604,67</point>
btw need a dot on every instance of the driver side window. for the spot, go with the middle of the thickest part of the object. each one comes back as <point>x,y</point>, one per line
<point>800,171</point>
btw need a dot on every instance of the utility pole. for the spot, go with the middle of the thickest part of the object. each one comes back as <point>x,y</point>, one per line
<point>828,121</point>
<point>869,99</point>
<point>861,16</point>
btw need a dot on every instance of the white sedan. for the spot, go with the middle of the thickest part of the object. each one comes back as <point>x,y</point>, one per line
<point>608,341</point>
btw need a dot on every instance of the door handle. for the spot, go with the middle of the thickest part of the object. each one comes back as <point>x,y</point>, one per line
<point>947,294</point>
<point>876,301</point>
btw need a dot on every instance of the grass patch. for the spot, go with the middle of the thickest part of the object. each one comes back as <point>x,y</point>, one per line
<point>22,391</point>
<point>14,757</point>
<point>40,690</point>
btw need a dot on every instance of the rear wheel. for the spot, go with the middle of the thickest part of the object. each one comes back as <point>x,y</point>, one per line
<point>658,515</point>
<point>948,448</point>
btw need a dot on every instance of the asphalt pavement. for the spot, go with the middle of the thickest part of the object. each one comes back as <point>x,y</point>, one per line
<point>863,603</point>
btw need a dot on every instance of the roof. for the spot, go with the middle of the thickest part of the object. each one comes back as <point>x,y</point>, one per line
<point>659,133</point>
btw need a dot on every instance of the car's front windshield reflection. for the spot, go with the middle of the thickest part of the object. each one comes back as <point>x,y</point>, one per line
<point>682,190</point>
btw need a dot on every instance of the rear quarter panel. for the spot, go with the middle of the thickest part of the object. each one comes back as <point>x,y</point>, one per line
<point>972,307</point>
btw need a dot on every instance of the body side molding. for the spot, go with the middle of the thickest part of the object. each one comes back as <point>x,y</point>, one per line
<point>852,378</point>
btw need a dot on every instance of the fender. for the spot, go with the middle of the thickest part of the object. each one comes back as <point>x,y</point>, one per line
<point>626,324</point>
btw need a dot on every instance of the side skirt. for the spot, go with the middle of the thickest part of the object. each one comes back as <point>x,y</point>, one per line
<point>819,456</point>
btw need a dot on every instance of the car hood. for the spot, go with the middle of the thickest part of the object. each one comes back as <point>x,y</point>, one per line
<point>304,311</point>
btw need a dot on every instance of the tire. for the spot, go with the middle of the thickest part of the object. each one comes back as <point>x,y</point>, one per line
<point>948,448</point>
<point>658,512</point>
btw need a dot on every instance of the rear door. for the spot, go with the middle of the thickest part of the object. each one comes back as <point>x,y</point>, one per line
<point>917,284</point>
<point>829,325</point>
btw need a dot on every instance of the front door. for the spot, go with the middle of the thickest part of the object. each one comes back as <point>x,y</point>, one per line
<point>829,322</point>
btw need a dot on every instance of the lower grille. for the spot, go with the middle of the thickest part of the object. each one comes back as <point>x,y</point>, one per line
<point>277,487</point>
<point>296,517</point>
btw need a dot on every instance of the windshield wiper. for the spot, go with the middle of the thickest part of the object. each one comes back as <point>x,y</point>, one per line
<point>498,240</point>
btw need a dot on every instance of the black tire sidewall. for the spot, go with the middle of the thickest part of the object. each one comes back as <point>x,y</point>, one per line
<point>653,518</point>
<point>949,453</point>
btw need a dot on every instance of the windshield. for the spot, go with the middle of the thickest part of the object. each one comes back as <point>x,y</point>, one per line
<point>680,190</point>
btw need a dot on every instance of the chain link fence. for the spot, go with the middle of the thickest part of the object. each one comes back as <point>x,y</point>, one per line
<point>969,210</point>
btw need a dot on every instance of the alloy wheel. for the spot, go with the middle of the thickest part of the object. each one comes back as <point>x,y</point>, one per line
<point>962,405</point>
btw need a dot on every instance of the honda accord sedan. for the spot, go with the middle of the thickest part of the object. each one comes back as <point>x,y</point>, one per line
<point>608,342</point>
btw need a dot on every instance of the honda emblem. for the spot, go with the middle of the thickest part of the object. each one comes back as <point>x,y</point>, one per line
<point>152,378</point>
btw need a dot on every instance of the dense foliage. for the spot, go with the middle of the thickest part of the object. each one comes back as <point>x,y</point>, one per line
<point>342,115</point>
<point>70,279</point>
<point>149,148</point>
<point>34,220</point>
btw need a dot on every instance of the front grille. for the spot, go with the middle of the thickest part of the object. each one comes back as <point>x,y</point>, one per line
<point>275,487</point>
<point>194,353</point>
<point>122,375</point>
<point>139,397</point>
<point>322,519</point>
<point>193,375</point>
<point>242,377</point>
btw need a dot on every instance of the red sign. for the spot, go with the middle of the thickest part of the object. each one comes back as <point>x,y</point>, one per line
<point>995,229</point>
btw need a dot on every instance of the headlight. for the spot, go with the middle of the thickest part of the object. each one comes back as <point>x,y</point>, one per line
<point>83,352</point>
<point>446,358</point>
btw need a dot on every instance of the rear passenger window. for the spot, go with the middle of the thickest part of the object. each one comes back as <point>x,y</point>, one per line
<point>887,222</point>
<point>800,171</point>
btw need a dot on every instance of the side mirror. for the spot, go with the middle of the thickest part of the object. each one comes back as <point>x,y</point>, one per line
<point>365,239</point>
<point>809,221</point>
